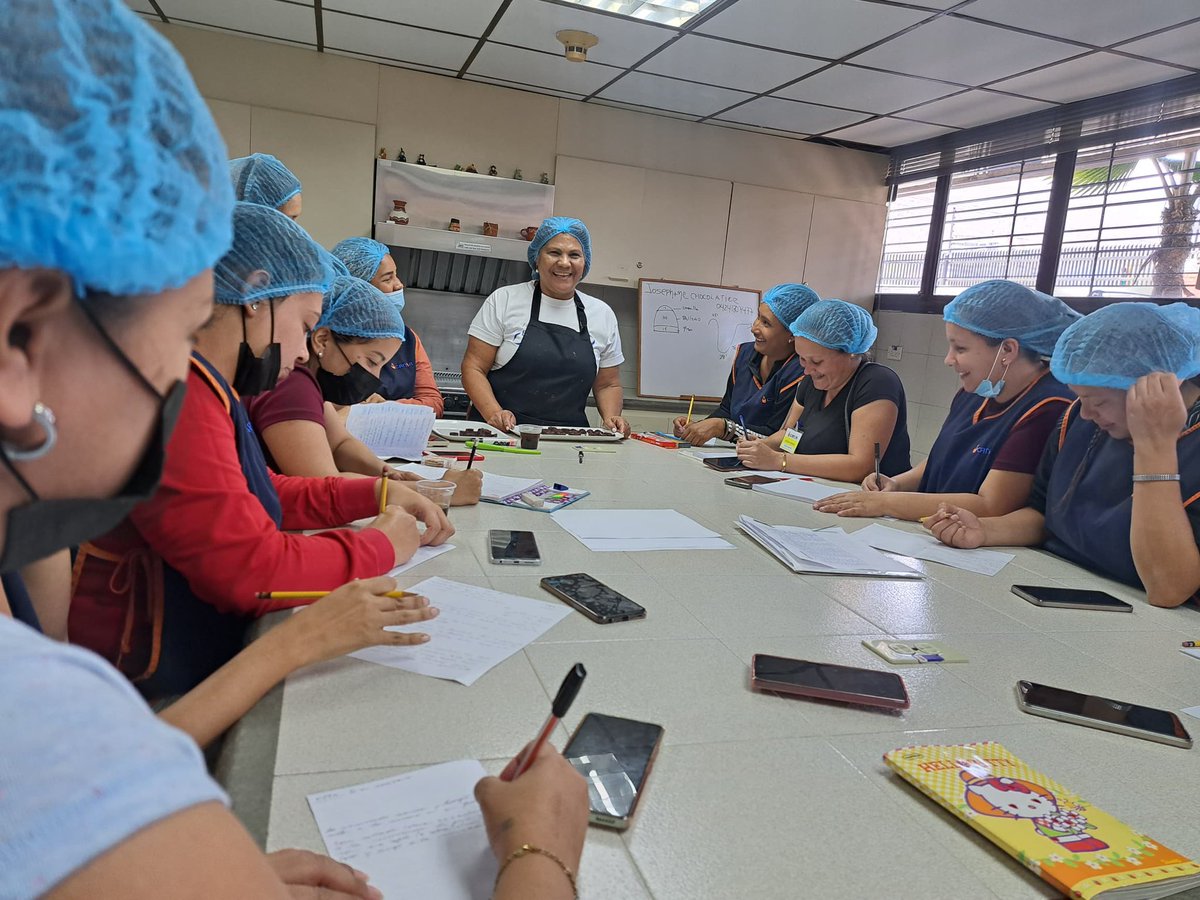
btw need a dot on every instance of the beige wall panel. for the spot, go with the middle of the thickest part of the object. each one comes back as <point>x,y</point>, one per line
<point>683,223</point>
<point>233,119</point>
<point>768,237</point>
<point>844,249</point>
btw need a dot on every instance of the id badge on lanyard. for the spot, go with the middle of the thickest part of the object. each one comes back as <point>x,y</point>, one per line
<point>791,440</point>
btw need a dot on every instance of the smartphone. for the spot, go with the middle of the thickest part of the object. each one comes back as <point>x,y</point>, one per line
<point>1129,719</point>
<point>1070,598</point>
<point>825,681</point>
<point>615,756</point>
<point>749,481</point>
<point>593,598</point>
<point>513,548</point>
<point>724,463</point>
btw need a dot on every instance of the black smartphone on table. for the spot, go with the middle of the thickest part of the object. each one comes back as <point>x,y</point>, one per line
<point>724,463</point>
<point>1070,598</point>
<point>513,548</point>
<point>1143,722</point>
<point>593,598</point>
<point>827,681</point>
<point>615,756</point>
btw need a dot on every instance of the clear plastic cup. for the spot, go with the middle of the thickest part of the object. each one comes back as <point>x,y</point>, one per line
<point>530,436</point>
<point>439,492</point>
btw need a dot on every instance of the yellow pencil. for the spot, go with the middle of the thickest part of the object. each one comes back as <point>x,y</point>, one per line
<point>383,491</point>
<point>690,407</point>
<point>316,595</point>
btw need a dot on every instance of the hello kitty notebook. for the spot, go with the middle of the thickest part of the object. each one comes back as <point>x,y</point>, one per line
<point>1081,850</point>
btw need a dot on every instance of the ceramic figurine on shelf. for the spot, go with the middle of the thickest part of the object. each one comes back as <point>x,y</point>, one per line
<point>401,157</point>
<point>383,152</point>
<point>492,170</point>
<point>454,225</point>
<point>471,168</point>
<point>458,167</point>
<point>399,213</point>
<point>517,176</point>
<point>545,178</point>
<point>420,159</point>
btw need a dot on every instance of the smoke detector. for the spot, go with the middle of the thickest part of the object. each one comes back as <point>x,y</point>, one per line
<point>576,44</point>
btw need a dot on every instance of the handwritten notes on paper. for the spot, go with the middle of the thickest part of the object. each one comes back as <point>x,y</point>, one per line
<point>391,429</point>
<point>476,629</point>
<point>419,834</point>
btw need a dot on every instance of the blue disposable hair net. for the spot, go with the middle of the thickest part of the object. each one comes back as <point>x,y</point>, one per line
<point>113,169</point>
<point>787,301</point>
<point>361,255</point>
<point>271,257</point>
<point>1116,345</point>
<point>261,178</point>
<point>556,225</point>
<point>357,308</point>
<point>837,325</point>
<point>1001,309</point>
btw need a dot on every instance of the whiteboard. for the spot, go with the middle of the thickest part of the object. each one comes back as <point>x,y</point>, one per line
<point>688,336</point>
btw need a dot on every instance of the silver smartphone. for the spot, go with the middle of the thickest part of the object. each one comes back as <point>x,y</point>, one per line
<point>513,548</point>
<point>1090,711</point>
<point>1070,598</point>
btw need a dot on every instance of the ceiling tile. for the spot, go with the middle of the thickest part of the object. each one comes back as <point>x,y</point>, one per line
<point>756,129</point>
<point>532,23</point>
<point>886,132</point>
<point>669,94</point>
<point>1100,22</point>
<point>367,57</point>
<point>1090,76</point>
<point>965,52</point>
<point>469,17</point>
<point>788,115</point>
<point>519,86</point>
<point>532,67</point>
<point>398,42</point>
<point>1179,45</point>
<point>826,28</point>
<point>268,18</point>
<point>646,110</point>
<point>854,88</point>
<point>729,65</point>
<point>972,108</point>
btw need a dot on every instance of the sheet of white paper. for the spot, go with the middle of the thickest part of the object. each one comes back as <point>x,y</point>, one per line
<point>1193,711</point>
<point>1191,651</point>
<point>626,545</point>
<point>799,489</point>
<point>585,524</point>
<point>391,429</point>
<point>926,546</point>
<point>823,552</point>
<point>431,473</point>
<point>496,487</point>
<point>476,629</point>
<point>420,834</point>
<point>715,453</point>
<point>423,554</point>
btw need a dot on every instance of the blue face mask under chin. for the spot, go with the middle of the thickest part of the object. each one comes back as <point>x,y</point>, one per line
<point>988,390</point>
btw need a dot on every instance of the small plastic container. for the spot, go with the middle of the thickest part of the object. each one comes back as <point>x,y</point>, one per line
<point>440,492</point>
<point>530,436</point>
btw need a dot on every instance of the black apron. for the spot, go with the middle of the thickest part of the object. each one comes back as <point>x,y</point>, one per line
<point>549,378</point>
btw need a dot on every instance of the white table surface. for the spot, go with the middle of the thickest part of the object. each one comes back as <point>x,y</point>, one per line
<point>753,795</point>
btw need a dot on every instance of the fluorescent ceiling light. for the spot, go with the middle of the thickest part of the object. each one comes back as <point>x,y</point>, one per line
<point>664,12</point>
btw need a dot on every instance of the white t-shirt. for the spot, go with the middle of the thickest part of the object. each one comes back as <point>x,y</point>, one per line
<point>502,319</point>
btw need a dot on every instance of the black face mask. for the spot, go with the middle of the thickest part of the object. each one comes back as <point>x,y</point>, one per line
<point>42,527</point>
<point>257,374</point>
<point>345,390</point>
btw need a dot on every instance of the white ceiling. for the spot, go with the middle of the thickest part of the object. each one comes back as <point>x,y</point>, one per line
<point>877,72</point>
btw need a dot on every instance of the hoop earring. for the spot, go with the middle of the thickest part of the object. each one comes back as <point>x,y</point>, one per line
<point>45,418</point>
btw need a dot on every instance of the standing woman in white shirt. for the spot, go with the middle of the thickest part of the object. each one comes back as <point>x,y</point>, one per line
<point>536,350</point>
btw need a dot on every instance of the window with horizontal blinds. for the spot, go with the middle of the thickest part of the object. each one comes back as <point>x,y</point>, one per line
<point>910,213</point>
<point>1148,112</point>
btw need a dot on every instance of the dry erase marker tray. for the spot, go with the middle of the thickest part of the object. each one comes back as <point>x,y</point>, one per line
<point>600,435</point>
<point>460,431</point>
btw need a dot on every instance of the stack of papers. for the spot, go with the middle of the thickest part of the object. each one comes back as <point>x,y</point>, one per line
<point>799,489</point>
<point>926,546</point>
<point>420,834</point>
<point>495,487</point>
<point>638,529</point>
<point>696,453</point>
<point>391,429</point>
<point>475,630</point>
<point>823,552</point>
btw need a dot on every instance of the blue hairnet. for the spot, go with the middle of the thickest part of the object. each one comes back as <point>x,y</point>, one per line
<point>556,225</point>
<point>113,169</point>
<point>1004,309</point>
<point>271,257</point>
<point>261,178</point>
<point>1116,345</point>
<point>357,308</point>
<point>787,301</point>
<point>361,255</point>
<point>837,325</point>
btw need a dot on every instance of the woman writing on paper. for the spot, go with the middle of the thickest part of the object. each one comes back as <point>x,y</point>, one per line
<point>988,449</point>
<point>408,376</point>
<point>764,375</point>
<point>1117,486</point>
<point>536,350</point>
<point>262,179</point>
<point>844,407</point>
<point>168,594</point>
<point>301,433</point>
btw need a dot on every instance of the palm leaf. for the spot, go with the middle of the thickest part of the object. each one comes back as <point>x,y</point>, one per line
<point>1090,182</point>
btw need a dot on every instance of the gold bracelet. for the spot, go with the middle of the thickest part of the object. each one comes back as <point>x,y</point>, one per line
<point>525,850</point>
<point>783,462</point>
